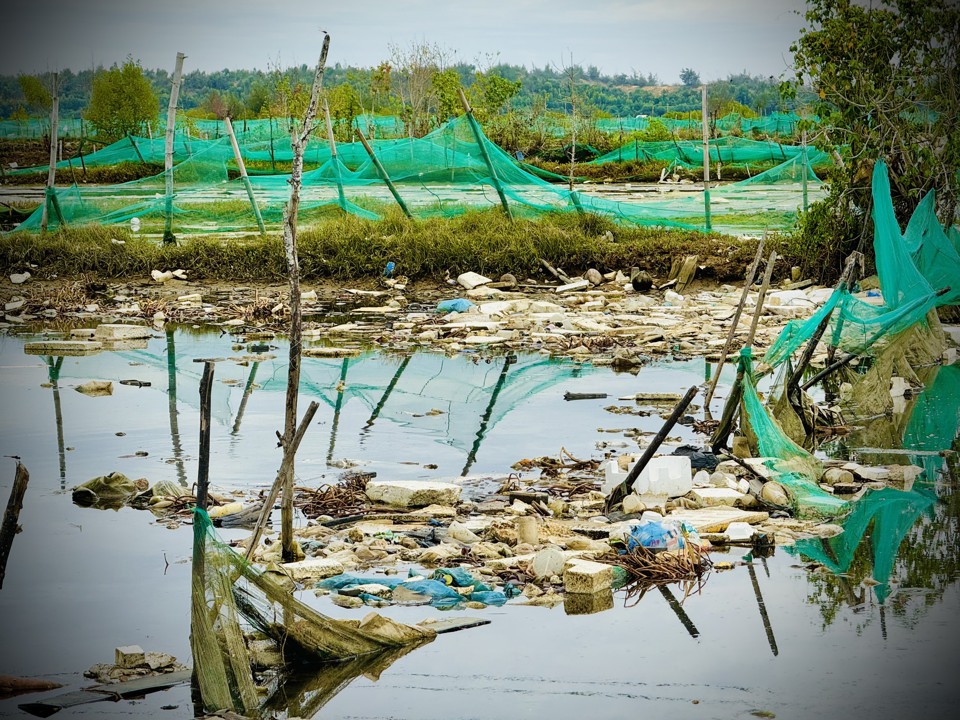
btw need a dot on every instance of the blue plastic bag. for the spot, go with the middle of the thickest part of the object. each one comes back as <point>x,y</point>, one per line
<point>456,305</point>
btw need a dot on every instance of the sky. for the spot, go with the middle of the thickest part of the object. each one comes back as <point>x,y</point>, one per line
<point>713,37</point>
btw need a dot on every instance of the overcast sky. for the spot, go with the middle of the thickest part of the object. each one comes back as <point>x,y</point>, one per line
<point>714,37</point>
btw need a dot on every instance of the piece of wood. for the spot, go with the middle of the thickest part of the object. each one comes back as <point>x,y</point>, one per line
<point>705,118</point>
<point>583,396</point>
<point>334,162</point>
<point>453,624</point>
<point>168,236</point>
<point>50,199</point>
<point>620,491</point>
<point>687,271</point>
<point>761,296</point>
<point>10,528</point>
<point>556,272</point>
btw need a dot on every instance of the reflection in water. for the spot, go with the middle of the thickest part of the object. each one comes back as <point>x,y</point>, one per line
<point>172,406</point>
<point>302,691</point>
<point>247,390</point>
<point>902,543</point>
<point>485,419</point>
<point>340,389</point>
<point>53,374</point>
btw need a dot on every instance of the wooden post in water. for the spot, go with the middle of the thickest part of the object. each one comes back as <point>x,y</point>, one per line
<point>382,171</point>
<point>243,176</point>
<point>168,236</point>
<point>10,528</point>
<point>483,152</point>
<point>333,157</point>
<point>765,285</point>
<point>51,193</point>
<point>203,471</point>
<point>706,156</point>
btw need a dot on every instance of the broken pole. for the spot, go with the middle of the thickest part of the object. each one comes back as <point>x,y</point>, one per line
<point>298,143</point>
<point>10,528</point>
<point>281,475</point>
<point>243,176</point>
<point>382,172</point>
<point>203,471</point>
<point>136,149</point>
<point>621,490</point>
<point>478,135</point>
<point>168,236</point>
<point>751,274</point>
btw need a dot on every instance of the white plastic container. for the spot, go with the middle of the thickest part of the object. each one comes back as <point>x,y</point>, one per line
<point>664,475</point>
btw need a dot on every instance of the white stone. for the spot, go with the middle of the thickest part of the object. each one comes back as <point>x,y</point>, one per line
<point>129,656</point>
<point>739,531</point>
<point>313,569</point>
<point>573,286</point>
<point>413,493</point>
<point>586,576</point>
<point>459,531</point>
<point>470,280</point>
<point>20,278</point>
<point>712,496</point>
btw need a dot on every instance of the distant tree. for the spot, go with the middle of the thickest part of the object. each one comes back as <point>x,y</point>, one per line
<point>491,93</point>
<point>122,101</point>
<point>344,104</point>
<point>415,67</point>
<point>885,78</point>
<point>35,94</point>
<point>258,98</point>
<point>689,77</point>
<point>446,83</point>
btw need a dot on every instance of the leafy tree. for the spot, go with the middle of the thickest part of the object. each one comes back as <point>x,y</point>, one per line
<point>885,78</point>
<point>689,77</point>
<point>344,104</point>
<point>122,101</point>
<point>35,94</point>
<point>446,83</point>
<point>490,93</point>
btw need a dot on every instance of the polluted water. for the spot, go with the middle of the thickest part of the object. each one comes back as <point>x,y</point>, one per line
<point>858,624</point>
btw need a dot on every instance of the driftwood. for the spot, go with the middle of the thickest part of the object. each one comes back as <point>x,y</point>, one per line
<point>10,527</point>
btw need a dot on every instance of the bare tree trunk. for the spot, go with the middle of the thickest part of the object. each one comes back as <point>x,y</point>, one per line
<point>298,142</point>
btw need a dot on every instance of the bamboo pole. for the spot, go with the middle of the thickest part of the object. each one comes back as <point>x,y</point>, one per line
<point>136,149</point>
<point>706,156</point>
<point>9,529</point>
<point>51,193</point>
<point>621,490</point>
<point>168,236</point>
<point>243,176</point>
<point>751,273</point>
<point>483,152</point>
<point>382,172</point>
<point>298,142</point>
<point>333,157</point>
<point>803,169</point>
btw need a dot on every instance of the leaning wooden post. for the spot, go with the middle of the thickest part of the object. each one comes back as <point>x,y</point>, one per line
<point>51,192</point>
<point>168,236</point>
<point>764,286</point>
<point>751,273</point>
<point>621,490</point>
<point>803,167</point>
<point>337,176</point>
<point>9,529</point>
<point>706,156</point>
<point>203,471</point>
<point>483,152</point>
<point>298,141</point>
<point>382,172</point>
<point>243,176</point>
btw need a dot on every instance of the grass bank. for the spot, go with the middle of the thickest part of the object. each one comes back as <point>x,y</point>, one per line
<point>347,248</point>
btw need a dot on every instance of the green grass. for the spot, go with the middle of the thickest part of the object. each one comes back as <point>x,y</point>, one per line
<point>344,247</point>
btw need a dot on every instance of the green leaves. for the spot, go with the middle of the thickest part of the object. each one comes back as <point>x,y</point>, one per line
<point>121,102</point>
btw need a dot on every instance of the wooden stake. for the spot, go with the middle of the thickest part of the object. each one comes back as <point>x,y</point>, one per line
<point>203,471</point>
<point>243,176</point>
<point>168,236</point>
<point>9,529</point>
<point>621,490</point>
<point>767,275</point>
<point>751,273</point>
<point>478,135</point>
<point>383,173</point>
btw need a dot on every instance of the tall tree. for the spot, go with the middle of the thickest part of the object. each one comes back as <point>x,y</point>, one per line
<point>122,101</point>
<point>886,84</point>
<point>690,77</point>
